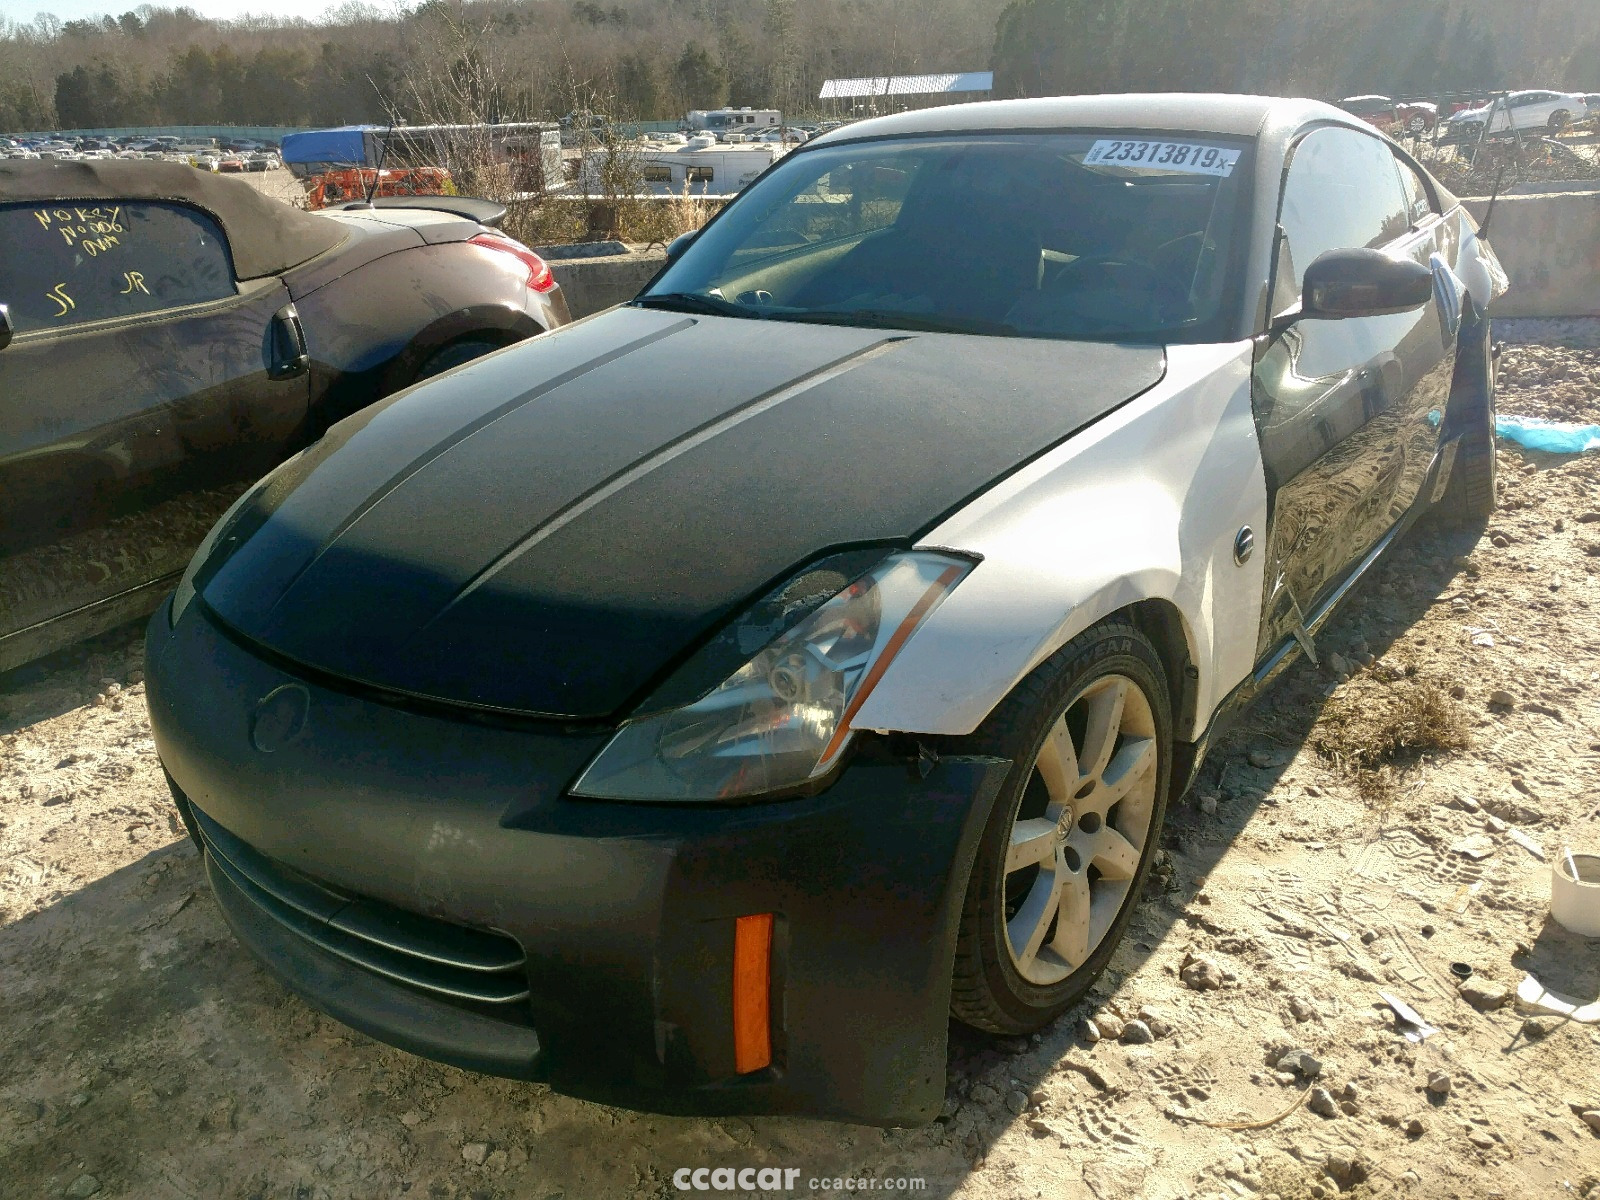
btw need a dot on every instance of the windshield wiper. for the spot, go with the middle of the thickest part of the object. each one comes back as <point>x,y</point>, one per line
<point>695,302</point>
<point>880,318</point>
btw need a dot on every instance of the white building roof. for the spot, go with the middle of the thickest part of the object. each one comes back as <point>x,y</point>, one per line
<point>908,85</point>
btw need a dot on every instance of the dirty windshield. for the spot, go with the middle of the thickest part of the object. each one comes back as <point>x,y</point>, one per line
<point>1079,235</point>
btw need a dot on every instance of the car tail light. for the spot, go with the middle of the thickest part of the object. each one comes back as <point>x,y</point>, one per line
<point>752,993</point>
<point>539,277</point>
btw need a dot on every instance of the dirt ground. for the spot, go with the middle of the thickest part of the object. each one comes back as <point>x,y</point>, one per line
<point>1334,850</point>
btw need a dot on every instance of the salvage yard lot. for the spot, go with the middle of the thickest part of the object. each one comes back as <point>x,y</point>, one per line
<point>143,1053</point>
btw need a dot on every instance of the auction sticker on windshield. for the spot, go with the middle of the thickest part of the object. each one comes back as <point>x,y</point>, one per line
<point>1187,158</point>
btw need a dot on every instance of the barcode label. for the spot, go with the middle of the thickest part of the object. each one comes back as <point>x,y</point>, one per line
<point>1184,157</point>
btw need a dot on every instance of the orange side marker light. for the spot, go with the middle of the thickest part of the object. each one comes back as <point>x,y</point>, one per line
<point>752,993</point>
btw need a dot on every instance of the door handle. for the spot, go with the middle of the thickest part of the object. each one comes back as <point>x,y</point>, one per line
<point>6,328</point>
<point>289,354</point>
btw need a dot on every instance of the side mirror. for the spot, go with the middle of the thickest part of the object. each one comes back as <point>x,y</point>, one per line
<point>1363,283</point>
<point>679,244</point>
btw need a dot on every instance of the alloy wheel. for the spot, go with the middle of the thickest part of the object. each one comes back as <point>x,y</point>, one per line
<point>1080,832</point>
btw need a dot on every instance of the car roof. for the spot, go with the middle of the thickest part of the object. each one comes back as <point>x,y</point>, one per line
<point>265,235</point>
<point>1193,112</point>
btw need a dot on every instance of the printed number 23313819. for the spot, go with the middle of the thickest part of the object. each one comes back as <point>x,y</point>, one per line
<point>1186,157</point>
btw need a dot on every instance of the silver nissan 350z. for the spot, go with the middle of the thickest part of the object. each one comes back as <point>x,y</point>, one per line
<point>697,706</point>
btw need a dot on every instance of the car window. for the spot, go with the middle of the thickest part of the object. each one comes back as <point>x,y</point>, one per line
<point>1342,192</point>
<point>859,195</point>
<point>66,264</point>
<point>1071,235</point>
<point>1418,206</point>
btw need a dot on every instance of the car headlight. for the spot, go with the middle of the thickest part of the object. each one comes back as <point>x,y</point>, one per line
<point>783,718</point>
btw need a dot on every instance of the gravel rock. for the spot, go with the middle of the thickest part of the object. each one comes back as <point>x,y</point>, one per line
<point>1302,1061</point>
<point>1439,1083</point>
<point>83,1186</point>
<point>1322,1103</point>
<point>1137,1033</point>
<point>475,1153</point>
<point>1088,1031</point>
<point>1415,1128</point>
<point>1012,1045</point>
<point>984,1095</point>
<point>1201,974</point>
<point>1109,1025</point>
<point>1158,1024</point>
<point>1500,698</point>
<point>1017,1102</point>
<point>1591,1119</point>
<point>1038,1098</point>
<point>1301,1010</point>
<point>1346,1167</point>
<point>1208,804</point>
<point>1481,1140</point>
<point>1042,1128</point>
<point>1484,995</point>
<point>1535,1028</point>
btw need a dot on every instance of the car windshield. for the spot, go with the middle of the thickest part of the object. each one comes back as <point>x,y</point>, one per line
<point>1064,235</point>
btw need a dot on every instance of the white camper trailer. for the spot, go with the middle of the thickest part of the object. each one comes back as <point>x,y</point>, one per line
<point>730,123</point>
<point>701,167</point>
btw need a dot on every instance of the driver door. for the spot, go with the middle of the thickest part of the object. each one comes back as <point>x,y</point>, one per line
<point>142,387</point>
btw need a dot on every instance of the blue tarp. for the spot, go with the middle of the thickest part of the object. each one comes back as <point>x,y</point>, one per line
<point>1552,437</point>
<point>345,145</point>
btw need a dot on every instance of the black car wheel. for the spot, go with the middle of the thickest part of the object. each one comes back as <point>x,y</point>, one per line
<point>1417,124</point>
<point>1073,831</point>
<point>1470,495</point>
<point>454,355</point>
<point>1560,119</point>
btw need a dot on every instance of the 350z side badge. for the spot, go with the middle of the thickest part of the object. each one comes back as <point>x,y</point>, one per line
<point>1244,545</point>
<point>279,717</point>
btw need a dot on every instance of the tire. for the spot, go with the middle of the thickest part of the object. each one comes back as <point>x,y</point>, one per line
<point>1469,497</point>
<point>998,986</point>
<point>1560,119</point>
<point>1417,125</point>
<point>454,355</point>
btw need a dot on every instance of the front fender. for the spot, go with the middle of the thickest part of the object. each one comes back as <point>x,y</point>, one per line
<point>1144,505</point>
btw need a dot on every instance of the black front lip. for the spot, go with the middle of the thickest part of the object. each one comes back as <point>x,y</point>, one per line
<point>624,913</point>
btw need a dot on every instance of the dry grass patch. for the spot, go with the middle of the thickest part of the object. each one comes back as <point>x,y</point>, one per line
<point>1370,726</point>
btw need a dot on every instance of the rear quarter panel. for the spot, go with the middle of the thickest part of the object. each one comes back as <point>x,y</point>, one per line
<point>1143,505</point>
<point>370,330</point>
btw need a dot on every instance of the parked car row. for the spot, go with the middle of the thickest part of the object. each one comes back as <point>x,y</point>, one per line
<point>261,160</point>
<point>1522,111</point>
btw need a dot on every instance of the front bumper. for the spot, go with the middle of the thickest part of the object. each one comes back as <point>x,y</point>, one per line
<point>422,877</point>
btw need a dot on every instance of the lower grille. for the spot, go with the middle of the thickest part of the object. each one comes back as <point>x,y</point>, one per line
<point>435,956</point>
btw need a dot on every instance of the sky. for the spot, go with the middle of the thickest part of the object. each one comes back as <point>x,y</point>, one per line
<point>72,10</point>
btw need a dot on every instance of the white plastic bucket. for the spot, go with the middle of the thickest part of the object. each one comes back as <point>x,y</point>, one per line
<point>1575,902</point>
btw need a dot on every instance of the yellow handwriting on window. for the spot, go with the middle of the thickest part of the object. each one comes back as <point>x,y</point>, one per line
<point>63,301</point>
<point>135,282</point>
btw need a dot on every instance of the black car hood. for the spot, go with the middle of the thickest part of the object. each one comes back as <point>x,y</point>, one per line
<point>549,529</point>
